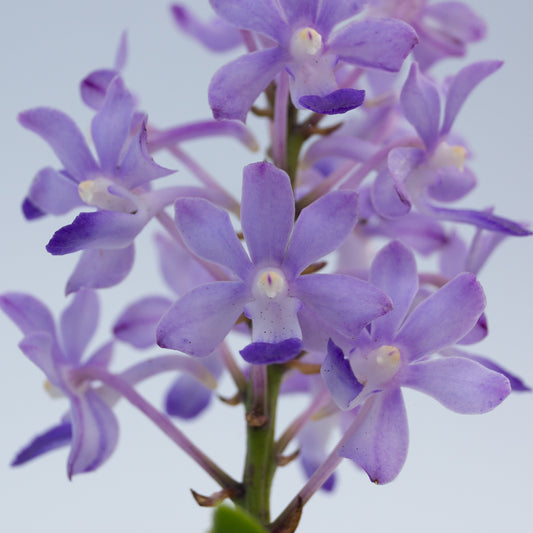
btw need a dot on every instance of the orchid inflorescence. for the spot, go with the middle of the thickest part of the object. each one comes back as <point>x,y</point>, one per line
<point>310,283</point>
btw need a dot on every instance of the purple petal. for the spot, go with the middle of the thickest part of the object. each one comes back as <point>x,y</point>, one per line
<point>199,321</point>
<point>187,398</point>
<point>102,357</point>
<point>101,229</point>
<point>394,271</point>
<point>376,43</point>
<point>262,16</point>
<point>99,269</point>
<point>137,167</point>
<point>389,200</point>
<point>267,212</point>
<point>122,52</point>
<point>450,184</point>
<point>55,437</point>
<point>264,353</point>
<point>459,384</point>
<point>208,233</point>
<point>180,270</point>
<point>462,85</point>
<point>39,347</point>
<point>320,229</point>
<point>93,88</point>
<point>380,444</point>
<point>137,324</point>
<point>421,106</point>
<point>54,192</point>
<point>94,433</point>
<point>65,139</point>
<point>78,324</point>
<point>235,87</point>
<point>477,333</point>
<point>28,313</point>
<point>480,219</point>
<point>111,125</point>
<point>331,13</point>
<point>216,35</point>
<point>337,102</point>
<point>300,12</point>
<point>30,210</point>
<point>339,377</point>
<point>348,304</point>
<point>402,161</point>
<point>444,318</point>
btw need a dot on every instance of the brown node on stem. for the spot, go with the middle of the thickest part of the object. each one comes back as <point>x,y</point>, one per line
<point>288,521</point>
<point>215,498</point>
<point>236,399</point>
<point>255,419</point>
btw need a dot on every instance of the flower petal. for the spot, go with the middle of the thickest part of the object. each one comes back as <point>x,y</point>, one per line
<point>55,437</point>
<point>137,324</point>
<point>459,384</point>
<point>235,86</point>
<point>443,318</point>
<point>208,233</point>
<point>394,272</point>
<point>200,320</point>
<point>187,398</point>
<point>100,229</point>
<point>348,304</point>
<point>320,229</point>
<point>27,312</point>
<point>267,212</point>
<point>376,43</point>
<point>64,137</point>
<point>94,433</point>
<point>380,444</point>
<point>78,324</point>
<point>99,269</point>
<point>265,353</point>
<point>337,102</point>
<point>93,87</point>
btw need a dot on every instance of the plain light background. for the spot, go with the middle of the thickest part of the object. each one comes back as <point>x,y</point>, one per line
<point>463,473</point>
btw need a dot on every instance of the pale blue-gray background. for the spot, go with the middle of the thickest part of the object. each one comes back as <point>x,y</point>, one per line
<point>463,474</point>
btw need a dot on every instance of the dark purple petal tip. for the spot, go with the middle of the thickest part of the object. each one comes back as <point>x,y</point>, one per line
<point>334,103</point>
<point>263,353</point>
<point>55,437</point>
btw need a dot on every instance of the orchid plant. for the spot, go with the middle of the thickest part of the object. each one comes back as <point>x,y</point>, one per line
<point>314,282</point>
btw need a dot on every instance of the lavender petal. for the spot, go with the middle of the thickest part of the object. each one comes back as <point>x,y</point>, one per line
<point>187,398</point>
<point>337,102</point>
<point>55,437</point>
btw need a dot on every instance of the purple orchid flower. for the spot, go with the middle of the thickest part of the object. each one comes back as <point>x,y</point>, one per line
<point>309,47</point>
<point>445,29</point>
<point>437,172</point>
<point>268,285</point>
<point>398,351</point>
<point>90,427</point>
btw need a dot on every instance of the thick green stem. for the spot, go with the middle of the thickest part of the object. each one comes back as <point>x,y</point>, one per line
<point>260,463</point>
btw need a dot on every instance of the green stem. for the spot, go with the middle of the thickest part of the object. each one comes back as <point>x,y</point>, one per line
<point>260,464</point>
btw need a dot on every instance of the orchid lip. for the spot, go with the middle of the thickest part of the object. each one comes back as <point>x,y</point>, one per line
<point>305,43</point>
<point>377,367</point>
<point>98,193</point>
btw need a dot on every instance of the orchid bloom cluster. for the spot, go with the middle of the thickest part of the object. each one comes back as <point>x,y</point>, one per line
<point>311,282</point>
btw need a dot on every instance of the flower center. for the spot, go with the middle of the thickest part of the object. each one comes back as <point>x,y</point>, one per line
<point>271,283</point>
<point>449,156</point>
<point>306,42</point>
<point>105,194</point>
<point>378,367</point>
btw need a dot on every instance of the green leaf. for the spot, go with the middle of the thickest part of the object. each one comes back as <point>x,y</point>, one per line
<point>235,520</point>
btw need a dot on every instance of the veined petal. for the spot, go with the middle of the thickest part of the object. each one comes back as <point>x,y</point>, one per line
<point>320,229</point>
<point>93,88</point>
<point>390,200</point>
<point>111,125</point>
<point>235,86</point>
<point>332,13</point>
<point>53,192</point>
<point>449,184</point>
<point>421,105</point>
<point>300,13</point>
<point>78,324</point>
<point>28,313</point>
<point>207,231</point>
<point>443,318</point>
<point>64,137</point>
<point>376,43</point>
<point>137,324</point>
<point>348,304</point>
<point>94,433</point>
<point>339,377</point>
<point>100,229</point>
<point>465,81</point>
<point>380,444</point>
<point>187,398</point>
<point>267,212</point>
<point>55,437</point>
<point>39,348</point>
<point>101,268</point>
<point>199,321</point>
<point>394,272</point>
<point>459,384</point>
<point>262,16</point>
